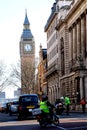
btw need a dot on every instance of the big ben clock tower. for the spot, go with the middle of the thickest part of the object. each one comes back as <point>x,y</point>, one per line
<point>27,57</point>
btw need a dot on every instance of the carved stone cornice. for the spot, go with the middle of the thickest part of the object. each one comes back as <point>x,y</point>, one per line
<point>72,10</point>
<point>60,22</point>
<point>51,70</point>
<point>77,63</point>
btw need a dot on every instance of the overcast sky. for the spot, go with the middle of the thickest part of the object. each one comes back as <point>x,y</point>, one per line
<point>12,15</point>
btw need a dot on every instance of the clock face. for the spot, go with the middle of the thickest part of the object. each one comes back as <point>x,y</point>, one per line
<point>27,47</point>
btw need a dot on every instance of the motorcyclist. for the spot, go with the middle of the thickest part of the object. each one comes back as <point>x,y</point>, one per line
<point>46,106</point>
<point>59,107</point>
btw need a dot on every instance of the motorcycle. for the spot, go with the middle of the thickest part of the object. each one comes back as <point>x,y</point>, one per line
<point>59,108</point>
<point>46,120</point>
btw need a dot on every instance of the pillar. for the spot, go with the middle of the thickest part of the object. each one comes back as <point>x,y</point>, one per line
<point>74,52</point>
<point>70,45</point>
<point>78,38</point>
<point>86,38</point>
<point>81,87</point>
<point>86,88</point>
<point>83,36</point>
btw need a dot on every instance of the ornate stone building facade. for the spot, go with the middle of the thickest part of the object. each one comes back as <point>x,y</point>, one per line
<point>72,38</point>
<point>70,41</point>
<point>52,56</point>
<point>42,68</point>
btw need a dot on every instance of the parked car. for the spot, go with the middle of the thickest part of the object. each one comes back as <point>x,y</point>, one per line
<point>3,107</point>
<point>13,107</point>
<point>7,107</point>
<point>27,102</point>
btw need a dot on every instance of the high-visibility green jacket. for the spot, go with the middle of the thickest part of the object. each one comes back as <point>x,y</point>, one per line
<point>44,107</point>
<point>67,100</point>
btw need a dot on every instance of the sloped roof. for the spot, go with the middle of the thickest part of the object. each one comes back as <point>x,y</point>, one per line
<point>26,34</point>
<point>26,21</point>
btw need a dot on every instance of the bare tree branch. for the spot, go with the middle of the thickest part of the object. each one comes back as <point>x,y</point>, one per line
<point>26,78</point>
<point>4,78</point>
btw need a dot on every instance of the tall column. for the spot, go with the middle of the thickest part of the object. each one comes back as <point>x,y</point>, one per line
<point>70,45</point>
<point>86,88</point>
<point>86,30</point>
<point>81,87</point>
<point>83,36</point>
<point>74,41</point>
<point>86,38</point>
<point>78,38</point>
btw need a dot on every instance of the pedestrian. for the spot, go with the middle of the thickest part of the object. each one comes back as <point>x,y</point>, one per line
<point>83,103</point>
<point>67,104</point>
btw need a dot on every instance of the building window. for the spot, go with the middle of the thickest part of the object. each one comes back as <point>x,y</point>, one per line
<point>62,57</point>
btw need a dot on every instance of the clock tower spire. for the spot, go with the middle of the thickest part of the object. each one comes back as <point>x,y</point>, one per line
<point>26,22</point>
<point>27,55</point>
<point>26,34</point>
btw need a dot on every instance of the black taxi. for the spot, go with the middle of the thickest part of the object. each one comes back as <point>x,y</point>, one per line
<point>27,102</point>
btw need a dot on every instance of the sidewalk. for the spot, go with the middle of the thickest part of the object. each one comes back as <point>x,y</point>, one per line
<point>74,114</point>
<point>77,112</point>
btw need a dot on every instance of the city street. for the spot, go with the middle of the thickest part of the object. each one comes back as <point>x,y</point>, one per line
<point>74,121</point>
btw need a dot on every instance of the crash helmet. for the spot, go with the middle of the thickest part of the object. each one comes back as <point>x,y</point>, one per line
<point>44,97</point>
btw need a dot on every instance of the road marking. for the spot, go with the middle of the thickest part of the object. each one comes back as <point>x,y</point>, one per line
<point>62,128</point>
<point>81,127</point>
<point>73,120</point>
<point>11,123</point>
